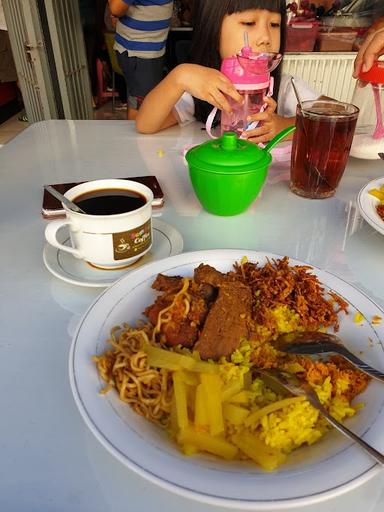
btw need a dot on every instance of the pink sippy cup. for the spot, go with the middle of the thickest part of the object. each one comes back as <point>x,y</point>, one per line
<point>250,73</point>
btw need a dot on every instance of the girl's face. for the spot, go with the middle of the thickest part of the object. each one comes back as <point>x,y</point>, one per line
<point>262,26</point>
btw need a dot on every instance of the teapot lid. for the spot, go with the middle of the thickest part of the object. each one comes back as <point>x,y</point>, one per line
<point>228,155</point>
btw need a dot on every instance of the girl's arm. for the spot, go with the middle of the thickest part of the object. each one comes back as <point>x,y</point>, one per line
<point>155,113</point>
<point>203,83</point>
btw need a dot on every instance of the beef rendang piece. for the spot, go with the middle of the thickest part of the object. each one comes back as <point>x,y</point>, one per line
<point>220,308</point>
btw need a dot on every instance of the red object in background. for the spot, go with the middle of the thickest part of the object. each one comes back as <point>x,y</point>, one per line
<point>8,92</point>
<point>301,36</point>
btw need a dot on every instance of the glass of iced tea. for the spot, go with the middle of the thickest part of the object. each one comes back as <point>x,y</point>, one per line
<point>320,148</point>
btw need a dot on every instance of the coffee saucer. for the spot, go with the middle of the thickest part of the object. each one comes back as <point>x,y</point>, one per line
<point>167,241</point>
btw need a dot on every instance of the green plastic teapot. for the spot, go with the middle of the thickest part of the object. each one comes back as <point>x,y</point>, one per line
<point>228,173</point>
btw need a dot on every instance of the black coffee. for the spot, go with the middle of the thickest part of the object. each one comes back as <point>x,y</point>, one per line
<point>110,201</point>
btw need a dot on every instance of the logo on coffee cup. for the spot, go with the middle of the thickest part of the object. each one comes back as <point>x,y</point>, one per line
<point>132,242</point>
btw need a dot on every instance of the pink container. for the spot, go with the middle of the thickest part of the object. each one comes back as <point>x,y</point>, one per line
<point>250,73</point>
<point>251,79</point>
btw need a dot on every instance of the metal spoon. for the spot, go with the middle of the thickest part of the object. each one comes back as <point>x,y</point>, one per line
<point>63,199</point>
<point>296,92</point>
<point>291,383</point>
<point>314,342</point>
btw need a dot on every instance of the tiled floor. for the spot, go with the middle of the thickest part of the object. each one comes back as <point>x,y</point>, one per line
<point>10,128</point>
<point>105,111</point>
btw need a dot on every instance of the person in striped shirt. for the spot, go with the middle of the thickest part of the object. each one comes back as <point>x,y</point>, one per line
<point>140,42</point>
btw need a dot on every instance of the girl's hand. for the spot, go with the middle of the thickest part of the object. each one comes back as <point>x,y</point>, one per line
<point>207,84</point>
<point>265,120</point>
<point>270,124</point>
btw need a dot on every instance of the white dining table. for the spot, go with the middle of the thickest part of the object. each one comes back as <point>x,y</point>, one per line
<point>49,460</point>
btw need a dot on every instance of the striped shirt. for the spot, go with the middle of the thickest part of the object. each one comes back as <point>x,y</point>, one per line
<point>143,30</point>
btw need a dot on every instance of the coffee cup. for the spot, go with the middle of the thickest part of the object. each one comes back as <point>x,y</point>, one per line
<point>116,228</point>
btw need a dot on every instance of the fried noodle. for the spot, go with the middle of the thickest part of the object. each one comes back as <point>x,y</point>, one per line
<point>147,390</point>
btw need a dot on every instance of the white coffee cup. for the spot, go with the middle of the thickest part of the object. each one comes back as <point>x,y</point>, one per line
<point>108,240</point>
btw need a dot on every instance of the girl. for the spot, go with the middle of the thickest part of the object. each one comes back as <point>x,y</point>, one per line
<point>189,91</point>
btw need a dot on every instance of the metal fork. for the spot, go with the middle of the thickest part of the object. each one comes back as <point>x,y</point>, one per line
<point>315,342</point>
<point>291,383</point>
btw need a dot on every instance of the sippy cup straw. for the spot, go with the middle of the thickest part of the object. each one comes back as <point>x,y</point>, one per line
<point>247,50</point>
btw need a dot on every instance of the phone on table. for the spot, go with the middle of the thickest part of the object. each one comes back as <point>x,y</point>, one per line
<point>53,209</point>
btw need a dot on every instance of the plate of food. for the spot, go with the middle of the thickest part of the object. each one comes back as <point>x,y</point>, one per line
<point>371,204</point>
<point>163,368</point>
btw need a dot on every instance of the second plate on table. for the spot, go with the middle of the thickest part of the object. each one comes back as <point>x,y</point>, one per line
<point>167,241</point>
<point>367,205</point>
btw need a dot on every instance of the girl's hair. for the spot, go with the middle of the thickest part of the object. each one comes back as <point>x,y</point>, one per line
<point>208,19</point>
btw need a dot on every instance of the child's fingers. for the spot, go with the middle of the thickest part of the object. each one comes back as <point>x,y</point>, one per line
<point>261,138</point>
<point>261,116</point>
<point>271,104</point>
<point>217,99</point>
<point>262,134</point>
<point>228,88</point>
<point>218,92</point>
<point>260,131</point>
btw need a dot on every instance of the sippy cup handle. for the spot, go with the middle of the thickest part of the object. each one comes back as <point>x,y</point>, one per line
<point>209,122</point>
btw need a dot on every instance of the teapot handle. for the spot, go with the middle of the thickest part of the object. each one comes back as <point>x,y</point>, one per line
<point>277,138</point>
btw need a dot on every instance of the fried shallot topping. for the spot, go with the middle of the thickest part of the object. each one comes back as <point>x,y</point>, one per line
<point>278,284</point>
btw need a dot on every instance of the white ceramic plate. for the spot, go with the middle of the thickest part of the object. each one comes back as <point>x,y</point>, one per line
<point>367,205</point>
<point>330,467</point>
<point>167,241</point>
